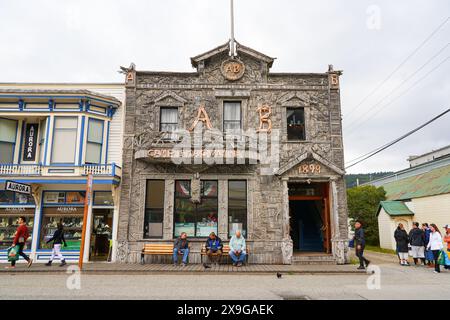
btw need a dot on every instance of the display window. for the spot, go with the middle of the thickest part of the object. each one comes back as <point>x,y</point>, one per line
<point>9,217</point>
<point>237,207</point>
<point>196,219</point>
<point>14,198</point>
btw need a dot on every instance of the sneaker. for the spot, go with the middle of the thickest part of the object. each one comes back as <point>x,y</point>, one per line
<point>367,263</point>
<point>49,264</point>
<point>234,264</point>
<point>436,271</point>
<point>361,268</point>
<point>184,264</point>
<point>63,263</point>
<point>239,264</point>
<point>30,262</point>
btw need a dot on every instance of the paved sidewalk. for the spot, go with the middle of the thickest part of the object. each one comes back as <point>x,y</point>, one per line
<point>129,268</point>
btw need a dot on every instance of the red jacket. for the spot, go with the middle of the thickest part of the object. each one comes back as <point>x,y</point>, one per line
<point>22,232</point>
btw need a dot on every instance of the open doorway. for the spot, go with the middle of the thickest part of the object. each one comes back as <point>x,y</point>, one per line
<point>309,217</point>
<point>101,234</point>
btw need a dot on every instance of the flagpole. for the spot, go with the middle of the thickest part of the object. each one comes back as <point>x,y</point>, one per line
<point>232,40</point>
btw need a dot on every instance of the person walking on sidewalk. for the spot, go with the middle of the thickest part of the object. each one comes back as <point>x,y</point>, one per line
<point>402,240</point>
<point>428,254</point>
<point>58,239</point>
<point>447,240</point>
<point>22,234</point>
<point>435,245</point>
<point>360,243</point>
<point>417,242</point>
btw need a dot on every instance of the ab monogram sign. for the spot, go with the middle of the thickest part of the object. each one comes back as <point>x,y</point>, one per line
<point>232,69</point>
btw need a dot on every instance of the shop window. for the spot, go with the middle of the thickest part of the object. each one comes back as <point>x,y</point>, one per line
<point>94,142</point>
<point>232,116</point>
<point>9,198</point>
<point>103,198</point>
<point>295,123</point>
<point>154,209</point>
<point>8,130</point>
<point>237,207</point>
<point>64,140</point>
<point>9,218</point>
<point>196,219</point>
<point>72,219</point>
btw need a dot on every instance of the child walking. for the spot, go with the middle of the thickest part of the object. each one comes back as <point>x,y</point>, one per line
<point>58,239</point>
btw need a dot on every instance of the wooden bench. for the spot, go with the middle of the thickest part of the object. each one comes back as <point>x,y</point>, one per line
<point>225,252</point>
<point>156,249</point>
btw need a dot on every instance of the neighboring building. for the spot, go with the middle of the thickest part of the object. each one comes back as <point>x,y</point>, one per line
<point>51,137</point>
<point>417,194</point>
<point>414,161</point>
<point>295,206</point>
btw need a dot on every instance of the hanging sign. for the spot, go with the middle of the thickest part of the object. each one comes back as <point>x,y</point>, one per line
<point>17,187</point>
<point>29,149</point>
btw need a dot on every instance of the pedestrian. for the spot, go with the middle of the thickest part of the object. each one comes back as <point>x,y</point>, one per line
<point>360,242</point>
<point>238,249</point>
<point>428,254</point>
<point>447,240</point>
<point>417,242</point>
<point>435,245</point>
<point>181,246</point>
<point>58,239</point>
<point>22,234</point>
<point>402,240</point>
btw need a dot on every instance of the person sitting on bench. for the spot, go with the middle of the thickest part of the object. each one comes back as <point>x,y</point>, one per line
<point>237,249</point>
<point>181,246</point>
<point>213,247</point>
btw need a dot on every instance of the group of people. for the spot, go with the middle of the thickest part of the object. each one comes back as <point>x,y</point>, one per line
<point>21,237</point>
<point>424,243</point>
<point>214,249</point>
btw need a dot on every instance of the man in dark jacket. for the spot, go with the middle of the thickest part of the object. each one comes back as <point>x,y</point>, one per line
<point>360,243</point>
<point>181,246</point>
<point>417,242</point>
<point>213,247</point>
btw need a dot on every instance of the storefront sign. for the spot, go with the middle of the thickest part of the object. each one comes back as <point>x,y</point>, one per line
<point>233,69</point>
<point>17,187</point>
<point>29,149</point>
<point>176,153</point>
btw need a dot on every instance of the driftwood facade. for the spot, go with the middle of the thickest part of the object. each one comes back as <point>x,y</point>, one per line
<point>293,205</point>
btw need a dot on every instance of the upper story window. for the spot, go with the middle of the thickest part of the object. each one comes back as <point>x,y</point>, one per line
<point>232,116</point>
<point>295,123</point>
<point>168,119</point>
<point>8,129</point>
<point>64,140</point>
<point>94,144</point>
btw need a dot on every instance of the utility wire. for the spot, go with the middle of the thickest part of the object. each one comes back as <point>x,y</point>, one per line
<point>408,78</point>
<point>400,65</point>
<point>378,150</point>
<point>400,95</point>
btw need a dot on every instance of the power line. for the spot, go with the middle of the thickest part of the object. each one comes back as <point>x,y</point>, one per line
<point>400,95</point>
<point>378,150</point>
<point>400,65</point>
<point>408,78</point>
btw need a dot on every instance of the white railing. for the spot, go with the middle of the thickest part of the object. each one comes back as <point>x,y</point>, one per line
<point>101,169</point>
<point>20,169</point>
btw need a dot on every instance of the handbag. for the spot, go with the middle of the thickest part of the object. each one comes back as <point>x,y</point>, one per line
<point>13,253</point>
<point>351,243</point>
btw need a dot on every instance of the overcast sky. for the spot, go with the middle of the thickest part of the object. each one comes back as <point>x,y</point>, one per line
<point>87,41</point>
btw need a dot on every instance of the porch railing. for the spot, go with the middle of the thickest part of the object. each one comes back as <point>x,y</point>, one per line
<point>39,170</point>
<point>20,169</point>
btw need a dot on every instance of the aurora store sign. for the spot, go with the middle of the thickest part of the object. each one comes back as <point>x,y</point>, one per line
<point>17,187</point>
<point>29,149</point>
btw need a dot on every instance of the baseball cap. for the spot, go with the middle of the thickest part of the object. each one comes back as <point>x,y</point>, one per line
<point>447,226</point>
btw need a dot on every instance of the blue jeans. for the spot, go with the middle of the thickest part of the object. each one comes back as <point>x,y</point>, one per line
<point>185,253</point>
<point>236,258</point>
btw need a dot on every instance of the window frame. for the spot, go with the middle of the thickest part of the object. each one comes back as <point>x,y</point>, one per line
<point>52,162</point>
<point>246,206</point>
<point>224,102</point>
<point>148,208</point>
<point>93,142</point>
<point>14,144</point>
<point>161,108</point>
<point>295,108</point>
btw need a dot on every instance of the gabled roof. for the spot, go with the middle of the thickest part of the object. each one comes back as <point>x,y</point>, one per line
<point>240,49</point>
<point>395,208</point>
<point>430,183</point>
<point>308,155</point>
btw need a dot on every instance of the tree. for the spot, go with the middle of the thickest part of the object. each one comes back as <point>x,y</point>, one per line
<point>363,204</point>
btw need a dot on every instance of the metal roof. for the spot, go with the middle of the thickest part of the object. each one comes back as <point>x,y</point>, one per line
<point>430,183</point>
<point>395,208</point>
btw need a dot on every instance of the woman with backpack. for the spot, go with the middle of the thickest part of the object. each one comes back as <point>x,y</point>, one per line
<point>58,239</point>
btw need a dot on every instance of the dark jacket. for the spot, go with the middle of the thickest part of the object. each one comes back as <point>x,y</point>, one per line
<point>181,244</point>
<point>427,236</point>
<point>58,237</point>
<point>417,237</point>
<point>359,238</point>
<point>401,237</point>
<point>214,244</point>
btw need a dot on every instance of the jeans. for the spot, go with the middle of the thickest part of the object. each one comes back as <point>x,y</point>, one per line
<point>184,252</point>
<point>21,245</point>
<point>238,258</point>
<point>360,255</point>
